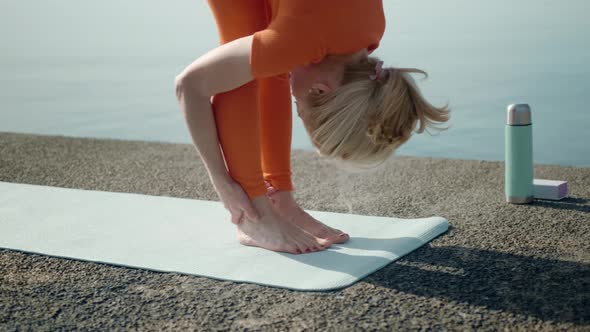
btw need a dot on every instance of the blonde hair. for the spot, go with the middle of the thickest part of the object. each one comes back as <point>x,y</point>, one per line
<point>363,121</point>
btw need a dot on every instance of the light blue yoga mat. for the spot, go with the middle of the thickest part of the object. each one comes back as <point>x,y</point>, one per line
<point>194,237</point>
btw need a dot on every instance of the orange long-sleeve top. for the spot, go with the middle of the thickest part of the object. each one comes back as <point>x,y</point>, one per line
<point>305,31</point>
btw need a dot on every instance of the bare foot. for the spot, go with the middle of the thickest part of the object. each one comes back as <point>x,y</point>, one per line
<point>275,233</point>
<point>286,207</point>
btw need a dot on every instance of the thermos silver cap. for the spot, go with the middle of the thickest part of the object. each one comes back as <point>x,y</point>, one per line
<point>518,115</point>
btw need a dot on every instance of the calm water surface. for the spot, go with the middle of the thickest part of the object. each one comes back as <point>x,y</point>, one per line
<point>106,69</point>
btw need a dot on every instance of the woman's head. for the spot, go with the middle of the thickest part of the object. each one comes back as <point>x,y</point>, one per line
<point>353,118</point>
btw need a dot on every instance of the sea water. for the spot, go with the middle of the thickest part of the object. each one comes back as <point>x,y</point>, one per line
<point>106,69</point>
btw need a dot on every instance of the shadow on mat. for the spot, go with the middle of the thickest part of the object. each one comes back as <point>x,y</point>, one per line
<point>544,288</point>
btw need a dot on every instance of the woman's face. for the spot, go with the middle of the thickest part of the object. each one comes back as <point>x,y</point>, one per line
<point>320,77</point>
<point>317,76</point>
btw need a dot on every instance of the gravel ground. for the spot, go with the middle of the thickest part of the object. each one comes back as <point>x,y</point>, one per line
<point>499,267</point>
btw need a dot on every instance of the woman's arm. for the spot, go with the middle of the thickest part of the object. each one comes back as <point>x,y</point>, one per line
<point>221,69</point>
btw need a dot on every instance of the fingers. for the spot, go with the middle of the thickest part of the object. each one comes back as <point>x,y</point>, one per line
<point>269,188</point>
<point>237,217</point>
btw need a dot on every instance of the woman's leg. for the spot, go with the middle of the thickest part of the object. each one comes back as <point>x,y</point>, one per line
<point>236,111</point>
<point>238,120</point>
<point>275,130</point>
<point>276,126</point>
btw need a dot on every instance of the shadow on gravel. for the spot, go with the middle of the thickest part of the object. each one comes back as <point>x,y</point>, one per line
<point>569,203</point>
<point>544,288</point>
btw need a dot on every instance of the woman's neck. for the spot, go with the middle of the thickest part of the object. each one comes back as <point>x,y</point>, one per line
<point>346,58</point>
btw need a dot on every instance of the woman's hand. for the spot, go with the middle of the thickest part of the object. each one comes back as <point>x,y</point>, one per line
<point>235,199</point>
<point>270,190</point>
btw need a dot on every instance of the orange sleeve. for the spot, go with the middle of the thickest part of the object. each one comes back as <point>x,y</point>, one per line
<point>286,43</point>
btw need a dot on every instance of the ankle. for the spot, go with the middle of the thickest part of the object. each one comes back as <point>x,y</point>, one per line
<point>284,199</point>
<point>283,194</point>
<point>263,205</point>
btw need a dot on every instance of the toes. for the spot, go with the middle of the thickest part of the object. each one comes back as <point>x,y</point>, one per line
<point>338,232</point>
<point>339,236</point>
<point>321,244</point>
<point>301,245</point>
<point>307,242</point>
<point>324,242</point>
<point>317,245</point>
<point>342,238</point>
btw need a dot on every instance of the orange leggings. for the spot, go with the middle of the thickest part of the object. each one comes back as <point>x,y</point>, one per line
<point>254,121</point>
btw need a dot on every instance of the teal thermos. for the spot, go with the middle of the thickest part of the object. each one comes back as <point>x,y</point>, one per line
<point>519,170</point>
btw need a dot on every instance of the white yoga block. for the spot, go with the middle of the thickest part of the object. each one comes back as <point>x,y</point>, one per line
<point>550,189</point>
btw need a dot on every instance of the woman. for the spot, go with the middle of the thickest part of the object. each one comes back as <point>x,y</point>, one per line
<point>237,97</point>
